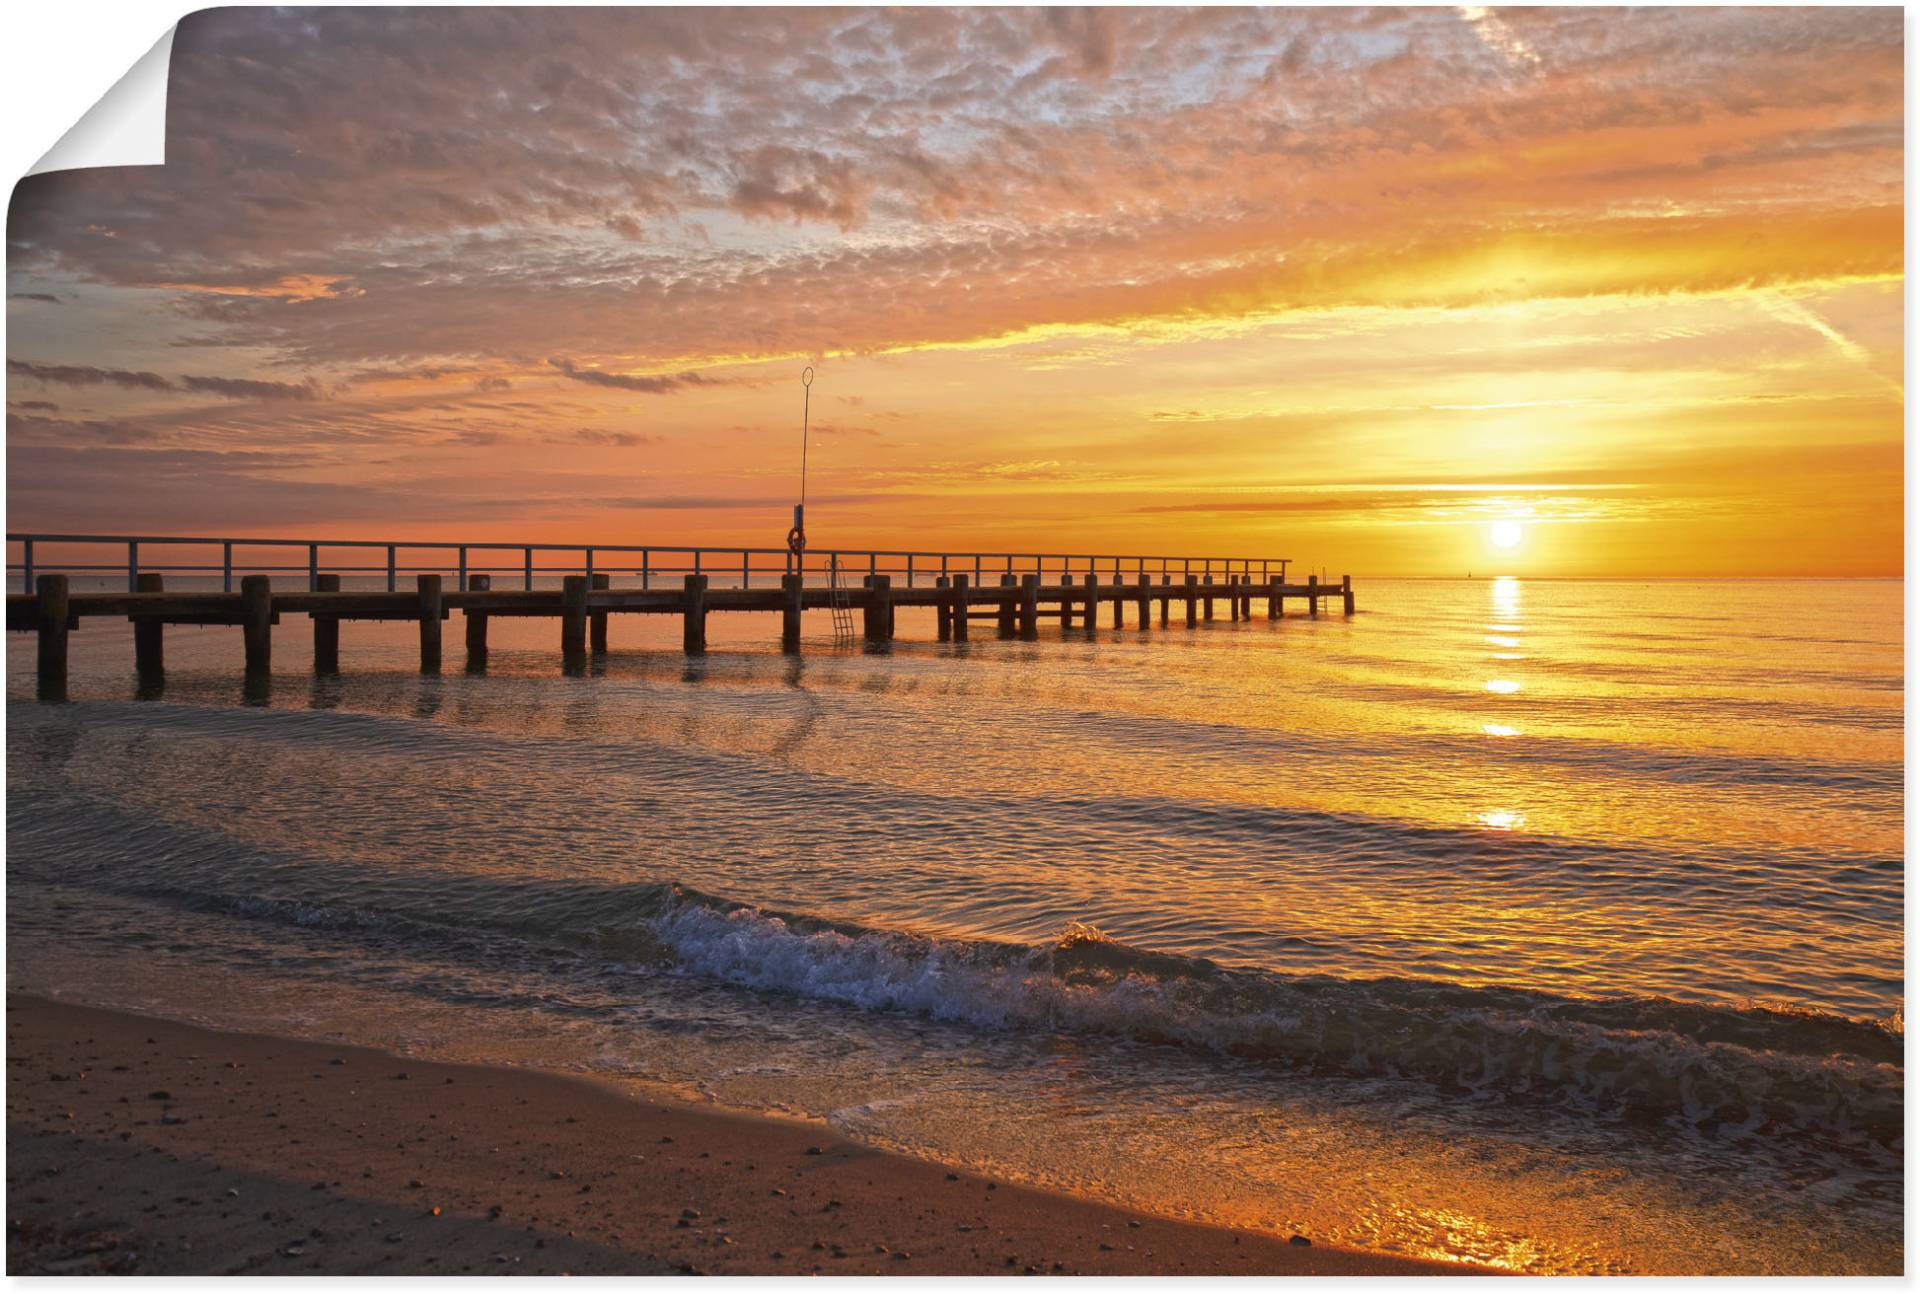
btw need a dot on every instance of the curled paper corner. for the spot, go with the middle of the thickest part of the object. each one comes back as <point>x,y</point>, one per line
<point>127,127</point>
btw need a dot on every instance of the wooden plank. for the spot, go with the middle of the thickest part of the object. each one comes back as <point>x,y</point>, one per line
<point>50,592</point>
<point>148,652</point>
<point>597,619</point>
<point>256,601</point>
<point>431,614</point>
<point>326,630</point>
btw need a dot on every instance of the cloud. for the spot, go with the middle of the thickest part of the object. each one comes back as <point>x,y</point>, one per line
<point>229,388</point>
<point>86,375</point>
<point>235,388</point>
<point>650,384</point>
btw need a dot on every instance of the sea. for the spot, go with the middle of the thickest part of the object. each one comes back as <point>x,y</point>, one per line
<point>1553,925</point>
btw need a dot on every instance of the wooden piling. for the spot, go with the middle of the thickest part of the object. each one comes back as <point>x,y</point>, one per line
<point>693,634</point>
<point>1029,606</point>
<point>256,612</point>
<point>1206,602</point>
<point>958,613</point>
<point>148,658</point>
<point>597,620</point>
<point>1119,602</point>
<point>879,610</point>
<point>790,587</point>
<point>1166,600</point>
<point>943,613</point>
<point>573,615</point>
<point>52,602</point>
<point>1192,611</point>
<point>1313,597</point>
<point>430,608</point>
<point>326,630</point>
<point>1006,625</point>
<point>1233,598</point>
<point>477,623</point>
<point>1145,600</point>
<point>1346,592</point>
<point>1092,586</point>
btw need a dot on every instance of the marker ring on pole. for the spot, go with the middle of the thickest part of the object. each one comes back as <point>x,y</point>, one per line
<point>806,378</point>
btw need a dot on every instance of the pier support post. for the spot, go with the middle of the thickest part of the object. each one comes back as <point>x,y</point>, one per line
<point>943,613</point>
<point>1029,607</point>
<point>693,634</point>
<point>50,593</point>
<point>1192,612</point>
<point>573,616</point>
<point>1092,586</point>
<point>1233,598</point>
<point>148,657</point>
<point>1166,600</point>
<point>477,624</point>
<point>1346,592</point>
<point>790,604</point>
<point>1146,601</point>
<point>430,609</point>
<point>1274,599</point>
<point>1313,597</point>
<point>597,620</point>
<point>1206,603</point>
<point>879,617</point>
<point>959,612</point>
<point>256,624</point>
<point>1119,602</point>
<point>326,630</point>
<point>1006,607</point>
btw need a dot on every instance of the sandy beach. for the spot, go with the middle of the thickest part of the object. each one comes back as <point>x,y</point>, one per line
<point>138,1145</point>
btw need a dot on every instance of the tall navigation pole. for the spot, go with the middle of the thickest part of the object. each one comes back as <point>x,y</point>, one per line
<point>797,537</point>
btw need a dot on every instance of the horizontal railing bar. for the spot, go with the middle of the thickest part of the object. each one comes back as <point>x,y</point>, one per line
<point>733,551</point>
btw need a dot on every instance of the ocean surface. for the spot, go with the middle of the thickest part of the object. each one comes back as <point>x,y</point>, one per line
<point>1555,925</point>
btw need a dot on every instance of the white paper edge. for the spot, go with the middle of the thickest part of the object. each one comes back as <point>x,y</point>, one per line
<point>127,127</point>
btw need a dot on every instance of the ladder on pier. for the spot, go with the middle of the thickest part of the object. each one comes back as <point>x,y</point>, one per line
<point>842,605</point>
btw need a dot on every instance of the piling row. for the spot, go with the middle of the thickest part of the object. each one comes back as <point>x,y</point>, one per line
<point>585,603</point>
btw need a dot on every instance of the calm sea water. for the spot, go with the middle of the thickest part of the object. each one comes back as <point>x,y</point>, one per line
<point>1550,924</point>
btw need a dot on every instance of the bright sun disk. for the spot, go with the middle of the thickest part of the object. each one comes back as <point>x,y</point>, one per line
<point>1505,534</point>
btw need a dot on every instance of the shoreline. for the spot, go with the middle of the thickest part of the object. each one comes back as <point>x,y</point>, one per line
<point>141,1145</point>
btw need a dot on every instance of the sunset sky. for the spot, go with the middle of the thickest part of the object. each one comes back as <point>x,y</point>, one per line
<point>1345,286</point>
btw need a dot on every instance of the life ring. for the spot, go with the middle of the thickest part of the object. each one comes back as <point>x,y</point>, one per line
<point>796,541</point>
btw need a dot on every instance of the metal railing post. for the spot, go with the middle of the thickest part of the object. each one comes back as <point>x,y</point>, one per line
<point>529,557</point>
<point>463,568</point>
<point>646,568</point>
<point>313,569</point>
<point>226,567</point>
<point>589,568</point>
<point>26,566</point>
<point>133,566</point>
<point>392,570</point>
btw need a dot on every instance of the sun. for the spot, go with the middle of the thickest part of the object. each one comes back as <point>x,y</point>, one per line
<point>1506,534</point>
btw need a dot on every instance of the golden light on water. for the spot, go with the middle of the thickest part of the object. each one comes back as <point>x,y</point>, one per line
<point>1499,730</point>
<point>1504,686</point>
<point>1501,819</point>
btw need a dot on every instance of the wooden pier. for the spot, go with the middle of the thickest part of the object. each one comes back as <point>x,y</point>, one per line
<point>1013,602</point>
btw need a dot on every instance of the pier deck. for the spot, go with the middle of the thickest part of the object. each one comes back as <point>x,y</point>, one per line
<point>961,588</point>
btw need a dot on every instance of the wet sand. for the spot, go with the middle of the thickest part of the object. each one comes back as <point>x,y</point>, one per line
<point>143,1146</point>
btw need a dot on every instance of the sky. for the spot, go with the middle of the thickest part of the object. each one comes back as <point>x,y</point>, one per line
<point>1391,292</point>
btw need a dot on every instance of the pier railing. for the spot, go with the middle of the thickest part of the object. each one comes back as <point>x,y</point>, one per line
<point>651,565</point>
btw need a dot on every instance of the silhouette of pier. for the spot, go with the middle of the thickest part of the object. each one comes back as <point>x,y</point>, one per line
<point>1010,592</point>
